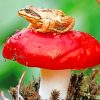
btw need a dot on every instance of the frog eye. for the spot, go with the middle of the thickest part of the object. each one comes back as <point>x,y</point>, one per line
<point>28,11</point>
<point>31,12</point>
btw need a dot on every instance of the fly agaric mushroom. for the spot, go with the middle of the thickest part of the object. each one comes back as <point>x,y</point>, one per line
<point>54,54</point>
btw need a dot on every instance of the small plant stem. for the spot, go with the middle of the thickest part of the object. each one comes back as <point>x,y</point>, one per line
<point>3,96</point>
<point>19,97</point>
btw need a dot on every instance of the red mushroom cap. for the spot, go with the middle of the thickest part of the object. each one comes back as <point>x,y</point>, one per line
<point>70,50</point>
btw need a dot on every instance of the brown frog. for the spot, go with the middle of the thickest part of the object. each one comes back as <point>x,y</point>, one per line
<point>47,20</point>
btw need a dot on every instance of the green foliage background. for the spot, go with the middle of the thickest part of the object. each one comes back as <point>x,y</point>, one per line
<point>86,14</point>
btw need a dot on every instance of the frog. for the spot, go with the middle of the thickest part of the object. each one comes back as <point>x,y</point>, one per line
<point>47,20</point>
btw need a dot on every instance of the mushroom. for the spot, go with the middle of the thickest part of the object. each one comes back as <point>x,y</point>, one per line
<point>55,54</point>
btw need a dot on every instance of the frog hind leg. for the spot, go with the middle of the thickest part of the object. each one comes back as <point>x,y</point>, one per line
<point>70,26</point>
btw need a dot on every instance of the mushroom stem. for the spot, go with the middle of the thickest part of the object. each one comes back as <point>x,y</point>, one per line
<point>54,80</point>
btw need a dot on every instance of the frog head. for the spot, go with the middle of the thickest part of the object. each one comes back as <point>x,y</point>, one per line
<point>30,14</point>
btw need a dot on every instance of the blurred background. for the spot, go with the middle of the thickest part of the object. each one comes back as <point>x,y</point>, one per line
<point>86,14</point>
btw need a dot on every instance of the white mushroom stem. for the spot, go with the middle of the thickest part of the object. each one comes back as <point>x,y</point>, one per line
<point>54,79</point>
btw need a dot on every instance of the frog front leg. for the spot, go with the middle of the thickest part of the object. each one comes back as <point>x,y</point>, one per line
<point>30,26</point>
<point>45,26</point>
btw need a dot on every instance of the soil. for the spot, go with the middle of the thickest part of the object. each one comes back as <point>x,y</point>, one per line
<point>81,87</point>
